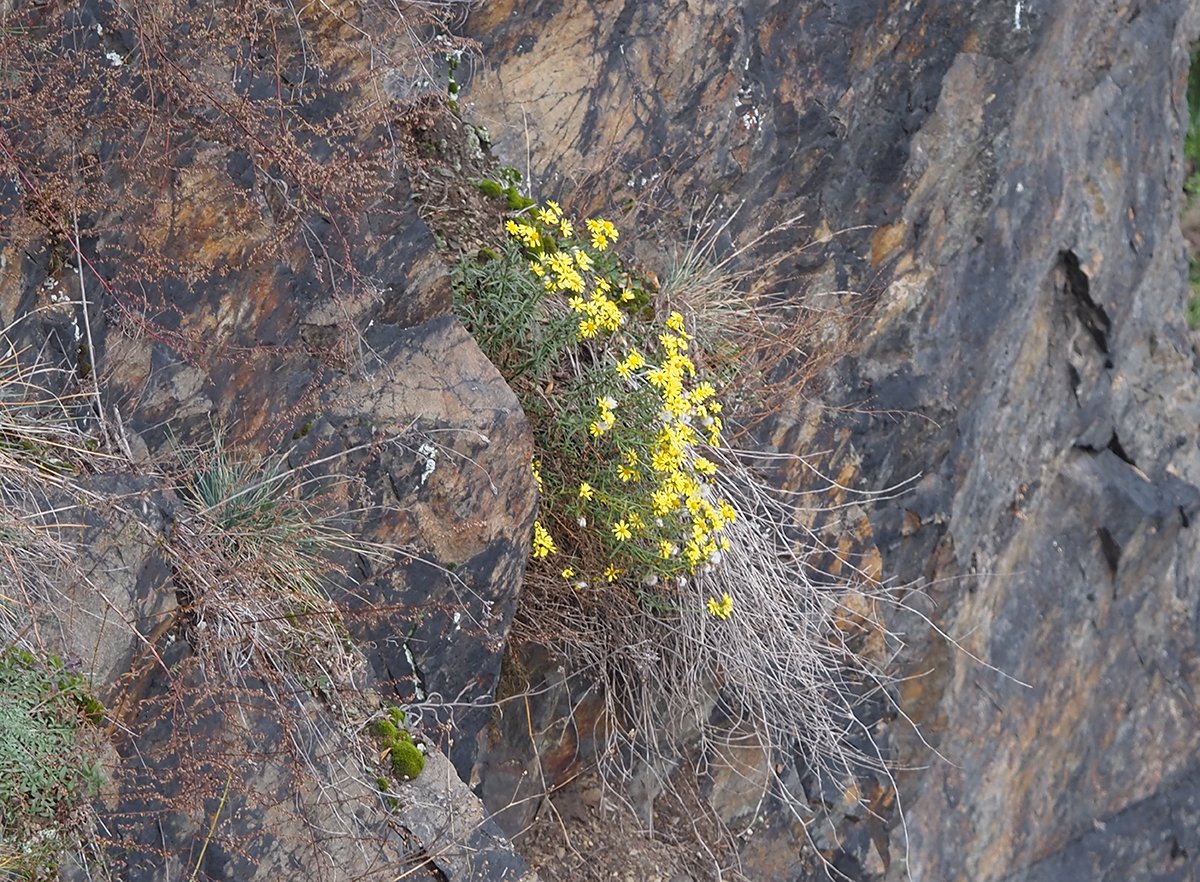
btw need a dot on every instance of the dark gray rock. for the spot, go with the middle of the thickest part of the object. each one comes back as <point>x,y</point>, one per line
<point>252,262</point>
<point>229,781</point>
<point>1023,354</point>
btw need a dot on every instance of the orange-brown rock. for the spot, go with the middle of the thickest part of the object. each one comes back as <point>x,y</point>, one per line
<point>1008,180</point>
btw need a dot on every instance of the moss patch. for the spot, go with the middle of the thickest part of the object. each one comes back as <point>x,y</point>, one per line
<point>406,758</point>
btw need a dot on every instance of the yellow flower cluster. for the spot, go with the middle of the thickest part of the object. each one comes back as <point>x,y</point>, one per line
<point>682,489</point>
<point>602,233</point>
<point>525,234</point>
<point>720,609</point>
<point>644,487</point>
<point>561,270</point>
<point>552,216</point>
<point>564,266</point>
<point>543,544</point>
<point>597,313</point>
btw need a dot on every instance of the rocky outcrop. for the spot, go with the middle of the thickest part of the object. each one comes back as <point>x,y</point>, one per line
<point>1007,179</point>
<point>221,231</point>
<point>998,184</point>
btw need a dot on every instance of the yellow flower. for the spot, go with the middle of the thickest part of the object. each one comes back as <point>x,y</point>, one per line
<point>565,227</point>
<point>602,232</point>
<point>543,544</point>
<point>714,433</point>
<point>568,573</point>
<point>524,233</point>
<point>635,359</point>
<point>675,323</point>
<point>537,473</point>
<point>621,530</point>
<point>550,215</point>
<point>663,502</point>
<point>586,491</point>
<point>720,609</point>
<point>627,474</point>
<point>611,573</point>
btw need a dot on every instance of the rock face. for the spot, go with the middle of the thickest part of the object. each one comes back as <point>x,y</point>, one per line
<point>222,232</point>
<point>1008,178</point>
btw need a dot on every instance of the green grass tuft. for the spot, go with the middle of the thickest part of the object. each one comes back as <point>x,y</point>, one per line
<point>1191,141</point>
<point>47,769</point>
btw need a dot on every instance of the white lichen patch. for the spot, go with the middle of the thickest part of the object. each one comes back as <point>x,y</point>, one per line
<point>428,453</point>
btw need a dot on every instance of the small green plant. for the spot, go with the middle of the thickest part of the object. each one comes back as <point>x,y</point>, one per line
<point>255,551</point>
<point>625,482</point>
<point>506,188</point>
<point>406,759</point>
<point>47,767</point>
<point>1191,141</point>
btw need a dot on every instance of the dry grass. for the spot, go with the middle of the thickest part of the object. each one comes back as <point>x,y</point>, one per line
<point>797,673</point>
<point>770,346</point>
<point>252,646</point>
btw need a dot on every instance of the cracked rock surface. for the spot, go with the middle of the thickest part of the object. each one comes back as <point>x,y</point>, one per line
<point>1023,355</point>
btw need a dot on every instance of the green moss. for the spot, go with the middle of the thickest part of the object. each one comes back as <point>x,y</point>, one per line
<point>490,188</point>
<point>506,188</point>
<point>386,730</point>
<point>407,760</point>
<point>515,201</point>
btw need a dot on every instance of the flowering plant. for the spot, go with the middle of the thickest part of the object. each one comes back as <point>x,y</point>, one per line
<point>625,420</point>
<point>671,565</point>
